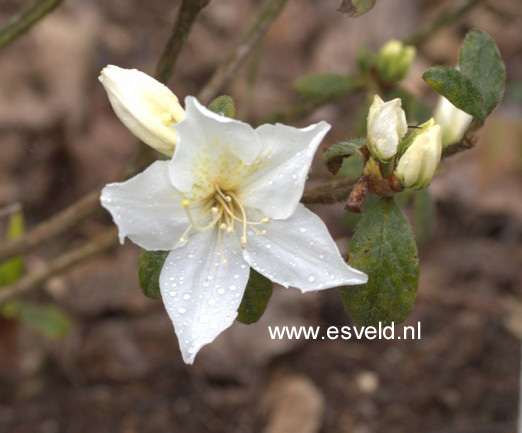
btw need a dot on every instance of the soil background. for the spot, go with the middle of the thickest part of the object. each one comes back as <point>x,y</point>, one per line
<point>119,369</point>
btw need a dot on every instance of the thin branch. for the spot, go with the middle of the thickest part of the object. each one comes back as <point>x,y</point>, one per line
<point>54,226</point>
<point>25,19</point>
<point>270,10</point>
<point>187,14</point>
<point>59,265</point>
<point>445,18</point>
<point>333,192</point>
<point>8,210</point>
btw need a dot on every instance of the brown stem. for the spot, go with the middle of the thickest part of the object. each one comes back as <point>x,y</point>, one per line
<point>25,19</point>
<point>333,192</point>
<point>60,264</point>
<point>187,14</point>
<point>270,10</point>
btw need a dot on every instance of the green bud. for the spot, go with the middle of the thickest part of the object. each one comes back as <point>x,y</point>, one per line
<point>394,60</point>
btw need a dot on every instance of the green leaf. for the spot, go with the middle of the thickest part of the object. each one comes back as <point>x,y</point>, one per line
<point>457,88</point>
<point>335,154</point>
<point>257,294</point>
<point>384,247</point>
<point>46,319</point>
<point>356,8</point>
<point>323,86</point>
<point>150,265</point>
<point>424,222</point>
<point>11,270</point>
<point>480,61</point>
<point>223,105</point>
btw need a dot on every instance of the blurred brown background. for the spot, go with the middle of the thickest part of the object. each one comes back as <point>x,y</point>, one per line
<point>119,369</point>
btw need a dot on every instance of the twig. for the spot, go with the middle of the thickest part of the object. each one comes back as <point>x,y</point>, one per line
<point>333,192</point>
<point>25,19</point>
<point>270,10</point>
<point>187,14</point>
<point>446,17</point>
<point>61,264</point>
<point>54,226</point>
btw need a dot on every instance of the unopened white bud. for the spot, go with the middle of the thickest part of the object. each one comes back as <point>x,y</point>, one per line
<point>452,120</point>
<point>417,166</point>
<point>386,127</point>
<point>144,105</point>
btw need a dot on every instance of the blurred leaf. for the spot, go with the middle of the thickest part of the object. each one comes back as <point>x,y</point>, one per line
<point>11,270</point>
<point>223,105</point>
<point>457,88</point>
<point>356,8</point>
<point>352,167</point>
<point>48,320</point>
<point>480,61</point>
<point>416,109</point>
<point>150,265</point>
<point>323,86</point>
<point>257,294</point>
<point>424,222</point>
<point>335,154</point>
<point>384,247</point>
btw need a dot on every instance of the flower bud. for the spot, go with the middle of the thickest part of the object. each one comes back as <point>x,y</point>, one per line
<point>452,120</point>
<point>417,166</point>
<point>147,107</point>
<point>386,127</point>
<point>394,60</point>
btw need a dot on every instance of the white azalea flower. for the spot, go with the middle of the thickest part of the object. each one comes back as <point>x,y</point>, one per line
<point>386,128</point>
<point>452,120</point>
<point>227,201</point>
<point>147,107</point>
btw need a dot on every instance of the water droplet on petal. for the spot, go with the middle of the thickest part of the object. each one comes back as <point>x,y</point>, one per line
<point>311,278</point>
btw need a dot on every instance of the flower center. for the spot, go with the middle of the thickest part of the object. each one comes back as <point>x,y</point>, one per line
<point>226,211</point>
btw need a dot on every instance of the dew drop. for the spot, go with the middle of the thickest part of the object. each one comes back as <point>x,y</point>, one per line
<point>311,278</point>
<point>232,287</point>
<point>182,310</point>
<point>221,291</point>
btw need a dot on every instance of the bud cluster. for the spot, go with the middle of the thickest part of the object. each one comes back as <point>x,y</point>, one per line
<point>413,158</point>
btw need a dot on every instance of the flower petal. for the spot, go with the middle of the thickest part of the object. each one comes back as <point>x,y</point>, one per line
<point>276,183</point>
<point>213,150</point>
<point>147,208</point>
<point>200,292</point>
<point>299,252</point>
<point>147,107</point>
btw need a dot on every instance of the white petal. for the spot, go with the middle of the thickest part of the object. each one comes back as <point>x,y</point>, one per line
<point>213,150</point>
<point>200,292</point>
<point>300,252</point>
<point>144,105</point>
<point>276,184</point>
<point>147,208</point>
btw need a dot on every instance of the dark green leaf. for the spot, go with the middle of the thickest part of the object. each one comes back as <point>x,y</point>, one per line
<point>424,208</point>
<point>223,105</point>
<point>384,247</point>
<point>11,270</point>
<point>150,265</point>
<point>480,61</point>
<point>46,319</point>
<point>335,154</point>
<point>355,8</point>
<point>457,88</point>
<point>324,86</point>
<point>257,294</point>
